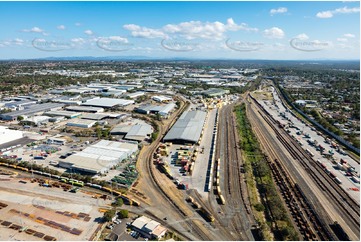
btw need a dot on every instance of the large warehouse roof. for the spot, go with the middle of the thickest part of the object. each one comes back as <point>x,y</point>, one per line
<point>101,156</point>
<point>107,102</point>
<point>188,127</point>
<point>139,132</point>
<point>7,135</point>
<point>84,109</point>
<point>30,110</point>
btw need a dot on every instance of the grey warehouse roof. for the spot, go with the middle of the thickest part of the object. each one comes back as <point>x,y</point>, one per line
<point>139,132</point>
<point>188,127</point>
<point>36,108</point>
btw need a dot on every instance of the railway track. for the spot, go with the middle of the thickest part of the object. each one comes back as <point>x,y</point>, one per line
<point>227,151</point>
<point>158,186</point>
<point>340,197</point>
<point>307,223</point>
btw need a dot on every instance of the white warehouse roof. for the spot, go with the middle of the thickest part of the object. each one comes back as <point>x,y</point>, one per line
<point>107,102</point>
<point>7,135</point>
<point>101,156</point>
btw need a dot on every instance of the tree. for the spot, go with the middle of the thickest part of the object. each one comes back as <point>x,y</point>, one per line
<point>123,213</point>
<point>119,202</point>
<point>20,118</point>
<point>108,215</point>
<point>98,132</point>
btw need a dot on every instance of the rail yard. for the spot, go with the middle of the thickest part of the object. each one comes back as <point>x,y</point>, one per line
<point>344,210</point>
<point>173,162</point>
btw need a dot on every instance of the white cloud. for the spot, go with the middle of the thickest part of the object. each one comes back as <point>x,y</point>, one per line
<point>349,35</point>
<point>61,27</point>
<point>347,10</point>
<point>302,36</point>
<point>189,30</point>
<point>118,38</point>
<point>78,40</point>
<point>18,41</point>
<point>325,14</point>
<point>342,39</point>
<point>78,24</point>
<point>274,33</point>
<point>88,32</point>
<point>113,38</point>
<point>330,13</point>
<point>278,10</point>
<point>33,30</point>
<point>144,32</point>
<point>205,30</point>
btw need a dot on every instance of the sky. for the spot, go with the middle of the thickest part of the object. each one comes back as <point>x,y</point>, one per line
<point>283,30</point>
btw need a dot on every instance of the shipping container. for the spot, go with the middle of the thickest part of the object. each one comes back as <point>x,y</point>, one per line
<point>207,215</point>
<point>355,179</point>
<point>196,205</point>
<point>309,152</point>
<point>221,198</point>
<point>338,180</point>
<point>218,190</point>
<point>190,199</point>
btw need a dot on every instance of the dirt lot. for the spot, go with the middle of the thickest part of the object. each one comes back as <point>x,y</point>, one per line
<point>48,211</point>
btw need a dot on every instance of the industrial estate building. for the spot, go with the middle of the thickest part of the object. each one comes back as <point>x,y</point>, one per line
<point>81,123</point>
<point>162,110</point>
<point>107,102</point>
<point>84,109</point>
<point>35,120</point>
<point>149,228</point>
<point>100,157</point>
<point>135,94</point>
<point>31,110</point>
<point>137,132</point>
<point>95,116</point>
<point>188,128</point>
<point>161,99</point>
<point>8,135</point>
<point>67,114</point>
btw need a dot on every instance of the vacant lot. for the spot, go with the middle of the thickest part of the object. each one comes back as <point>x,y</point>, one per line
<point>31,212</point>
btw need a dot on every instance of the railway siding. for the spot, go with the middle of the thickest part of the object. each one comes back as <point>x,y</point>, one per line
<point>340,198</point>
<point>274,212</point>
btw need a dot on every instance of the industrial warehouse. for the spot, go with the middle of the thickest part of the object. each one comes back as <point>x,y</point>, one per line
<point>31,110</point>
<point>136,130</point>
<point>156,109</point>
<point>187,129</point>
<point>107,102</point>
<point>100,157</point>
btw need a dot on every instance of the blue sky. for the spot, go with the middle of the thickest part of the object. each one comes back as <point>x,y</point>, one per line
<point>234,30</point>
